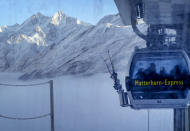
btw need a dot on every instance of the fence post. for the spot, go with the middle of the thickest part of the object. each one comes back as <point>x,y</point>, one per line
<point>52,105</point>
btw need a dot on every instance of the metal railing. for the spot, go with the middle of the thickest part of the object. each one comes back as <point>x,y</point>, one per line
<point>51,114</point>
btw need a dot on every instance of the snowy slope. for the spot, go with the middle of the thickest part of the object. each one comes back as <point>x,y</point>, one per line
<point>53,46</point>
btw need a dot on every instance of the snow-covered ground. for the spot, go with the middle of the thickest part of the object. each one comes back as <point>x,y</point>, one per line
<point>81,104</point>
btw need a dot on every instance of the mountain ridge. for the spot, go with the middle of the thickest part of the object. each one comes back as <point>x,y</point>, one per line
<point>45,46</point>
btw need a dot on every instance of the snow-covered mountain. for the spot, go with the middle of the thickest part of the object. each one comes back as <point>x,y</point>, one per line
<point>45,46</point>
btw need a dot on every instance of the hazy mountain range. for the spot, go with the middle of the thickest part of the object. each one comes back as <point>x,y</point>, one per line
<point>45,46</point>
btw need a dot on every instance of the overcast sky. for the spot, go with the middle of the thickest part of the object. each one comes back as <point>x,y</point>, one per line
<point>16,11</point>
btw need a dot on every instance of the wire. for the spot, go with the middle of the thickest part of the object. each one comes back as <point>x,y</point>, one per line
<point>29,118</point>
<point>107,66</point>
<point>43,83</point>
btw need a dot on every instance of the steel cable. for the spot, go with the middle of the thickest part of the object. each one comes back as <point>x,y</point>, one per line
<point>43,83</point>
<point>29,118</point>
